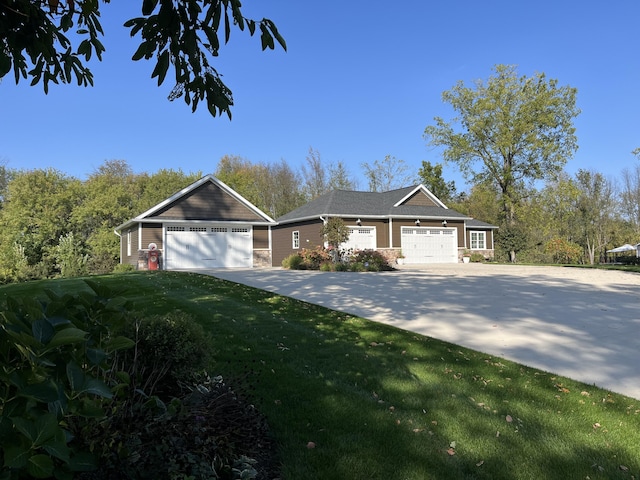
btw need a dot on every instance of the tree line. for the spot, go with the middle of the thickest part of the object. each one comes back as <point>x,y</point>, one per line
<point>52,224</point>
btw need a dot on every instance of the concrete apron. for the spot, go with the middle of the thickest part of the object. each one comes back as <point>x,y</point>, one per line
<point>582,324</point>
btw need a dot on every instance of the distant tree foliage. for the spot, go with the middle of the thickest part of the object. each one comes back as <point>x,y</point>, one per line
<point>52,224</point>
<point>510,130</point>
<point>319,178</point>
<point>38,40</point>
<point>275,189</point>
<point>387,174</point>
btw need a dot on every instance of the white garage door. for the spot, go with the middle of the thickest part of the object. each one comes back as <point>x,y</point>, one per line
<point>194,247</point>
<point>429,245</point>
<point>360,238</point>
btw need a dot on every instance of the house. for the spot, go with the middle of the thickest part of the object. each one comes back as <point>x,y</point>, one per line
<point>205,225</point>
<point>209,225</point>
<point>410,221</point>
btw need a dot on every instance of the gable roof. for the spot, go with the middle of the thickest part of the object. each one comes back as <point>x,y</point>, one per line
<point>394,203</point>
<point>154,214</point>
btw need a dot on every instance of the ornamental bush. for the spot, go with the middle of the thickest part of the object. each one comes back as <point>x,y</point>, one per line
<point>56,378</point>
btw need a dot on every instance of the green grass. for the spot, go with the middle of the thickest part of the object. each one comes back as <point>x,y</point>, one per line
<point>382,403</point>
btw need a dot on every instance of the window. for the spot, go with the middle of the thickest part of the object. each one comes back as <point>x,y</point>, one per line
<point>295,239</point>
<point>478,240</point>
<point>129,243</point>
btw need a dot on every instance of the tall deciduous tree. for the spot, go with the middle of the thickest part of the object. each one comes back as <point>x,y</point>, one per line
<point>431,177</point>
<point>630,196</point>
<point>314,174</point>
<point>387,174</point>
<point>596,209</point>
<point>339,178</point>
<point>36,42</point>
<point>510,130</point>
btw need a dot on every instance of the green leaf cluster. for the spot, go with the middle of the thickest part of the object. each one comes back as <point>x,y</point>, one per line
<point>35,43</point>
<point>185,35</point>
<point>55,370</point>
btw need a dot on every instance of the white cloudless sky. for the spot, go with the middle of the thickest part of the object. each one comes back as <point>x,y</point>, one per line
<point>360,80</point>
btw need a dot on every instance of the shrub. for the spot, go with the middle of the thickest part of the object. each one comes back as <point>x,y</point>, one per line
<point>293,262</point>
<point>327,267</point>
<point>563,251</point>
<point>171,350</point>
<point>371,260</point>
<point>476,257</point>
<point>55,375</point>
<point>313,258</point>
<point>124,268</point>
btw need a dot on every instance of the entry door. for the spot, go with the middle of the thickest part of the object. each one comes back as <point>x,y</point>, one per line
<point>429,245</point>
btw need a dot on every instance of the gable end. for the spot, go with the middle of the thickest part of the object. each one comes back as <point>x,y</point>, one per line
<point>207,202</point>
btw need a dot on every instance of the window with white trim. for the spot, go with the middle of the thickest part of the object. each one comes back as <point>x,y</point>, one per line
<point>478,240</point>
<point>295,239</point>
<point>129,243</point>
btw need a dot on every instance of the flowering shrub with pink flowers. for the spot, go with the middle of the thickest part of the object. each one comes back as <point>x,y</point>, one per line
<point>330,260</point>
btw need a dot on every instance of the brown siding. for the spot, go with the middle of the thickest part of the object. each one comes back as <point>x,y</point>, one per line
<point>281,237</point>
<point>133,258</point>
<point>420,199</point>
<point>397,230</point>
<point>151,233</point>
<point>260,237</point>
<point>208,202</point>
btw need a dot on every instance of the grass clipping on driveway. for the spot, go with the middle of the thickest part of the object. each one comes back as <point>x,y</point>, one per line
<point>347,398</point>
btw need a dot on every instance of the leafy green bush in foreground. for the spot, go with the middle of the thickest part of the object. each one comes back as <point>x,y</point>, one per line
<point>55,379</point>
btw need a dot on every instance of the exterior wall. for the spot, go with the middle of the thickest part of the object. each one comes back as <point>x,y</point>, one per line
<point>133,258</point>
<point>208,202</point>
<point>260,237</point>
<point>398,224</point>
<point>421,200</point>
<point>262,257</point>
<point>281,238</point>
<point>489,251</point>
<point>151,233</point>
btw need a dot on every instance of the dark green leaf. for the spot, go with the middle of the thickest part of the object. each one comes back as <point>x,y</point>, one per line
<point>46,428</point>
<point>16,457</point>
<point>26,428</point>
<point>119,343</point>
<point>148,6</point>
<point>43,392</point>
<point>68,336</point>
<point>96,356</point>
<point>96,387</point>
<point>40,466</point>
<point>140,52</point>
<point>42,330</point>
<point>76,376</point>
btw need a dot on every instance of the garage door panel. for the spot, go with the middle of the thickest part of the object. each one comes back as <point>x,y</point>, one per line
<point>429,245</point>
<point>208,247</point>
<point>360,238</point>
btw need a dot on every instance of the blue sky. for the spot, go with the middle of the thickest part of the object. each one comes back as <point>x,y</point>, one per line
<point>361,80</point>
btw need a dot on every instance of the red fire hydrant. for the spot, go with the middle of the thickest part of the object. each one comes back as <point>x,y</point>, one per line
<point>153,256</point>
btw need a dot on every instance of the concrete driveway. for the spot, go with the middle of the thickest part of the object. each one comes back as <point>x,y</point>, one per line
<point>579,323</point>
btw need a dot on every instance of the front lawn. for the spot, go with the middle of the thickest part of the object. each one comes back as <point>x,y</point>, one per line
<point>348,398</point>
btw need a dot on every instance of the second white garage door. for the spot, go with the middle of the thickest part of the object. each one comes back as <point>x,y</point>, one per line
<point>194,247</point>
<point>429,245</point>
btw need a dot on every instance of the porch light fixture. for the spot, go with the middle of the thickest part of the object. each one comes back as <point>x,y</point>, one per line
<point>418,222</point>
<point>444,223</point>
<point>359,222</point>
